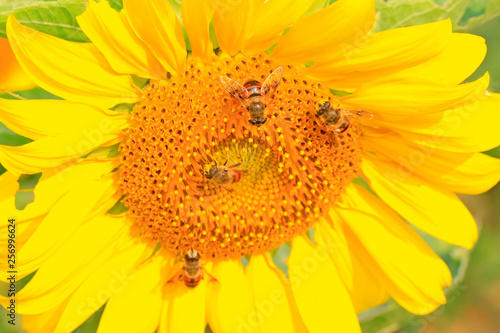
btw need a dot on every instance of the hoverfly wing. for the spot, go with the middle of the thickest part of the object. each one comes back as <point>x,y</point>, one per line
<point>233,87</point>
<point>272,82</point>
<point>365,115</point>
<point>179,276</point>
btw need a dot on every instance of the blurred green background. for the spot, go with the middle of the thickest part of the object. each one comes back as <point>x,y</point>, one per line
<point>474,299</point>
<point>477,308</point>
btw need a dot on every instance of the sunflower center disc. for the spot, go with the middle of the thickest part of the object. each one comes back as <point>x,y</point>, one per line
<point>292,170</point>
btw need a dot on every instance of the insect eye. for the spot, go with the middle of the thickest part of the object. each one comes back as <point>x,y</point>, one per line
<point>326,105</point>
<point>253,121</point>
<point>210,173</point>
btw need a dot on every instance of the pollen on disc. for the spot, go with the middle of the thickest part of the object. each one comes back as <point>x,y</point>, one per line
<point>293,172</point>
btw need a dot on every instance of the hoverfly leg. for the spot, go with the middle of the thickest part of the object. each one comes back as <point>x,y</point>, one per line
<point>178,275</point>
<point>212,278</point>
<point>333,140</point>
<point>227,189</point>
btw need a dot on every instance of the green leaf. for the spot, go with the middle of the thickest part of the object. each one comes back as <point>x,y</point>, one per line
<point>28,182</point>
<point>54,17</point>
<point>495,152</point>
<point>176,6</point>
<point>479,12</point>
<point>464,14</point>
<point>25,195</point>
<point>213,36</point>
<point>34,93</point>
<point>118,208</point>
<point>9,138</point>
<point>116,4</point>
<point>92,323</point>
<point>316,6</point>
<point>401,13</point>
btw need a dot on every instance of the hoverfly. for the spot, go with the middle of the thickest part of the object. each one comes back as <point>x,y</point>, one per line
<point>253,95</point>
<point>337,119</point>
<point>191,272</point>
<point>224,175</point>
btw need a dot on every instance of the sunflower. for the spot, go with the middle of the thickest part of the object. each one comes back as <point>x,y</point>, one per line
<point>124,196</point>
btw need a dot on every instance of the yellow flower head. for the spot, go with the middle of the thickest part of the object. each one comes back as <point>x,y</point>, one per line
<point>289,174</point>
<point>358,132</point>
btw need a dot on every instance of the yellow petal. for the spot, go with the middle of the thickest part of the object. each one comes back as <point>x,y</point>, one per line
<point>9,185</point>
<point>436,211</point>
<point>399,259</point>
<point>61,273</point>
<point>197,15</point>
<point>74,71</point>
<point>461,57</point>
<point>38,118</point>
<point>109,279</point>
<point>157,26</point>
<point>314,37</point>
<point>12,76</point>
<point>380,54</point>
<point>470,173</point>
<point>55,184</point>
<point>415,96</point>
<point>115,38</point>
<point>229,306</point>
<point>48,320</point>
<point>184,308</point>
<point>269,21</point>
<point>53,151</point>
<point>120,313</point>
<point>91,200</point>
<point>365,292</point>
<point>469,128</point>
<point>333,241</point>
<point>23,234</point>
<point>315,284</point>
<point>232,24</point>
<point>272,297</point>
